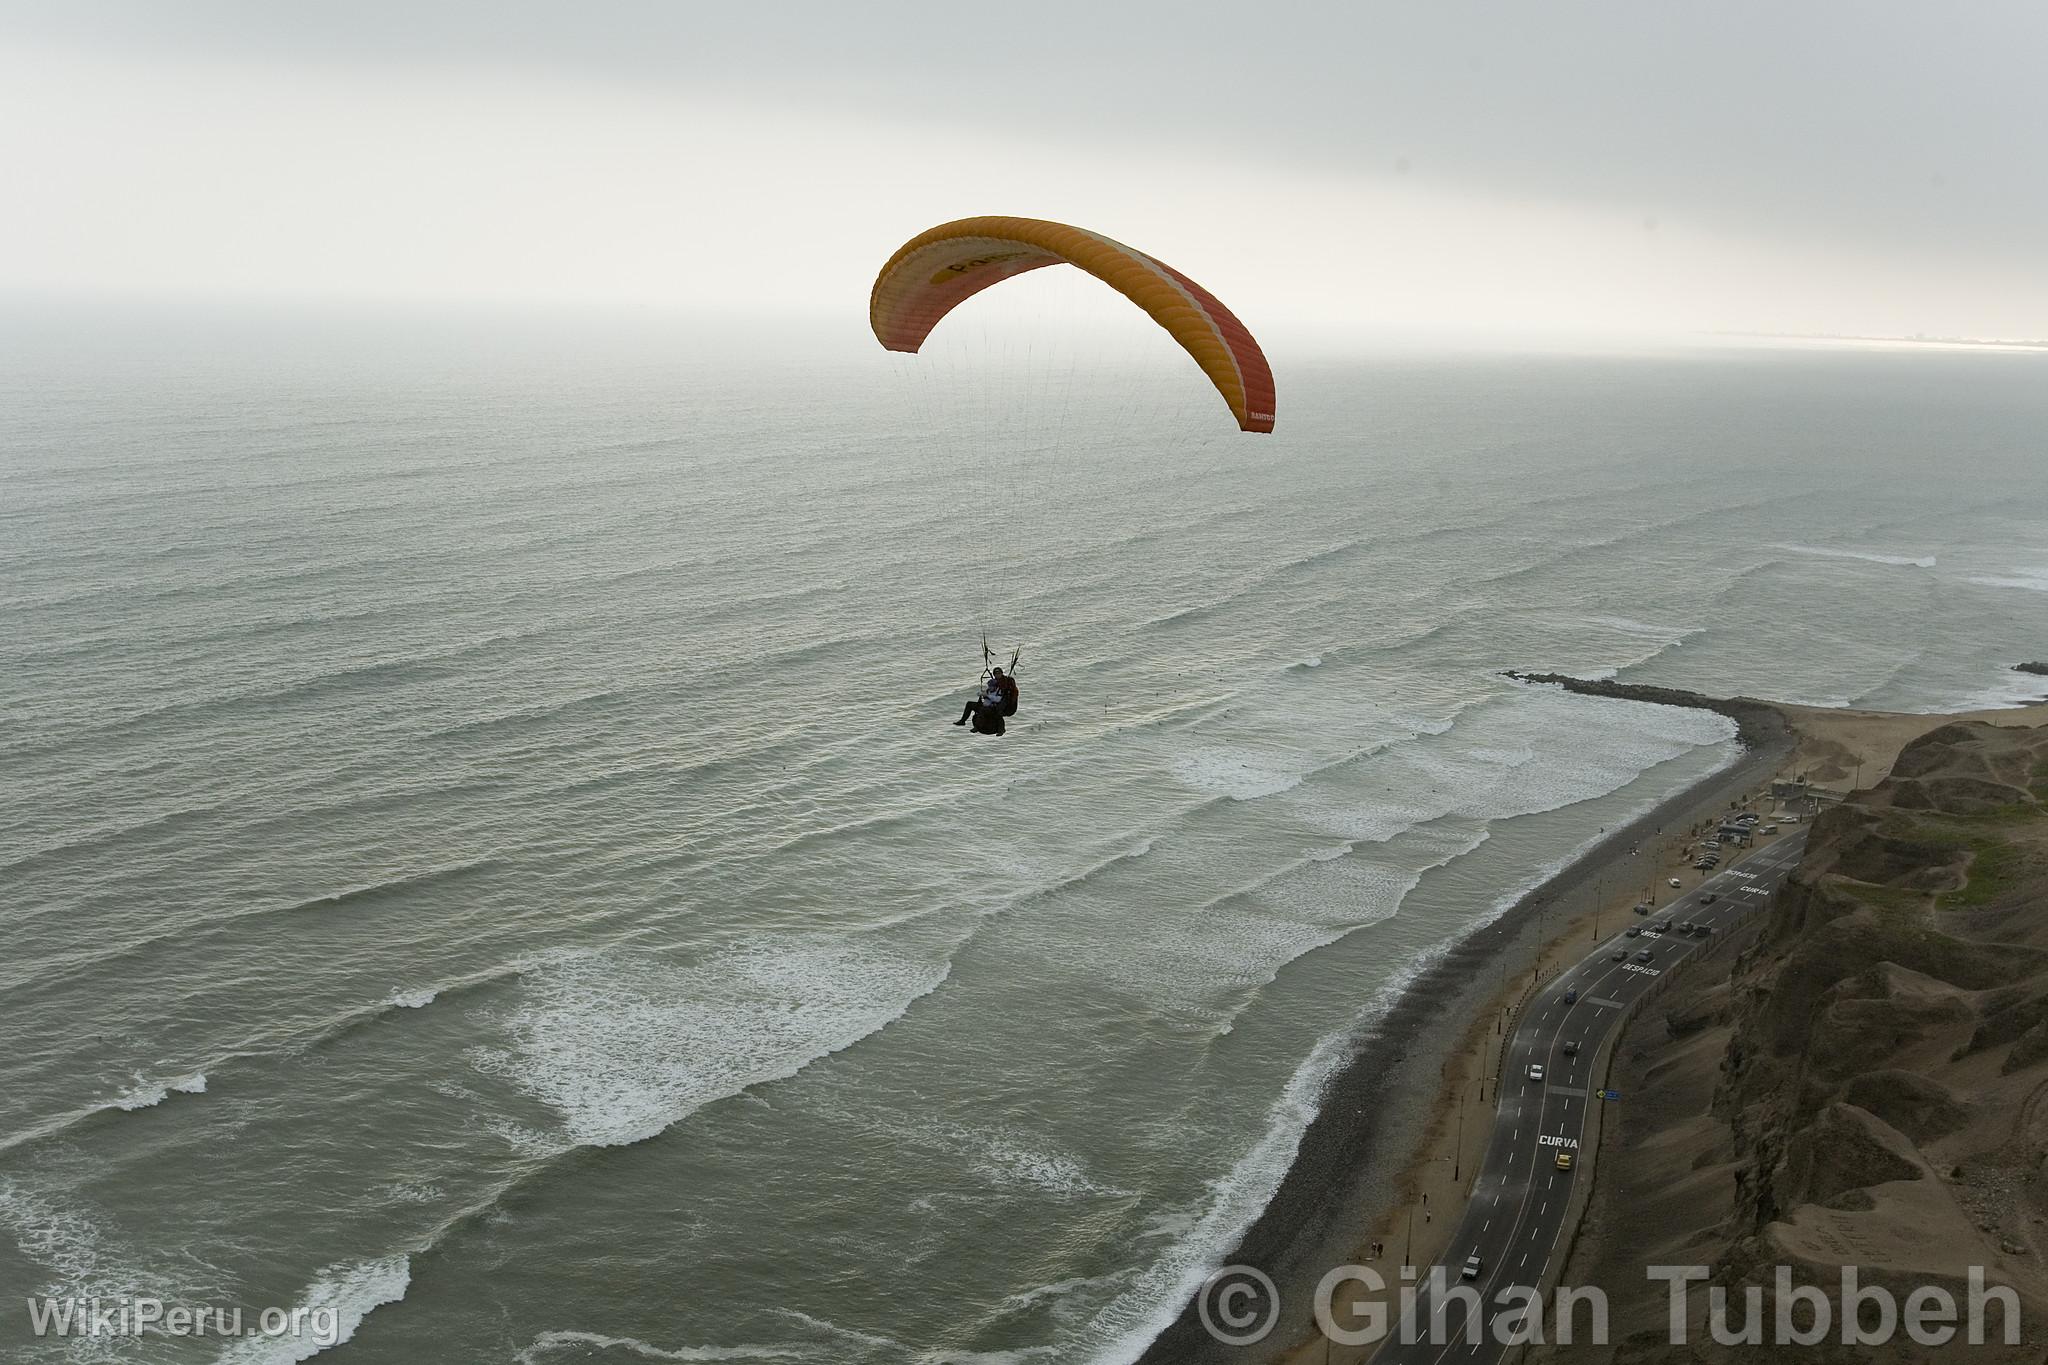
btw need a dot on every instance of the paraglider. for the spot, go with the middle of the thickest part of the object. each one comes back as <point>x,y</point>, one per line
<point>998,698</point>
<point>939,269</point>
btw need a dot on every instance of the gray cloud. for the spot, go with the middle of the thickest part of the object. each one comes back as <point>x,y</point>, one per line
<point>1881,127</point>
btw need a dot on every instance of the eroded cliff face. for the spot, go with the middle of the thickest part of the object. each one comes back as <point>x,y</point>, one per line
<point>1866,1085</point>
<point>1884,1087</point>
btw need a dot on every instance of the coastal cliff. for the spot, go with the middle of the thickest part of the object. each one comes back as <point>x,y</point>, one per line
<point>1869,1084</point>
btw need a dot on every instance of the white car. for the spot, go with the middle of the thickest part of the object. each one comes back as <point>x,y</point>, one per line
<point>1535,1071</point>
<point>1471,1270</point>
<point>1676,882</point>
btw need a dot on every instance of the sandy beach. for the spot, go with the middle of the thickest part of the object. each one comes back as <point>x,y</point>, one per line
<point>1389,1159</point>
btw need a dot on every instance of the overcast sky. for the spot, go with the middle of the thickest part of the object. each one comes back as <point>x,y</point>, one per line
<point>1619,164</point>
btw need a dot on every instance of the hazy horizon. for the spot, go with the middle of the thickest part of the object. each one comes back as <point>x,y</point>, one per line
<point>1597,169</point>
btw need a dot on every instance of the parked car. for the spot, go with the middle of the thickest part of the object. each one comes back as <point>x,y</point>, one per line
<point>1642,907</point>
<point>1788,819</point>
<point>1769,829</point>
<point>1676,882</point>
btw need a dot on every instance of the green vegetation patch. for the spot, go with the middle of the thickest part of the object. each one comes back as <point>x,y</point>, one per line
<point>1996,860</point>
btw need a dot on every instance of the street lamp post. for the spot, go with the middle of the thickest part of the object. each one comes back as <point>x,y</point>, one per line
<point>1458,1152</point>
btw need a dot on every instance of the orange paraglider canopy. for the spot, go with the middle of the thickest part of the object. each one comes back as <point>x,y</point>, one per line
<point>934,272</point>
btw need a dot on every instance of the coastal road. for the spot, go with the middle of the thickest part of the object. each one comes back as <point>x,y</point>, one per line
<point>1516,1217</point>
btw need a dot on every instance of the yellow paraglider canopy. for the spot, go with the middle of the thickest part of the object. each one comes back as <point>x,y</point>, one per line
<point>934,272</point>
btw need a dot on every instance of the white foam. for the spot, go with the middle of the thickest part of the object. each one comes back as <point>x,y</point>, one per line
<point>834,1330</point>
<point>2024,578</point>
<point>1008,1159</point>
<point>149,1094</point>
<point>413,1000</point>
<point>622,1045</point>
<point>1135,1318</point>
<point>1059,1292</point>
<point>145,1095</point>
<point>2016,689</point>
<point>1649,630</point>
<point>67,1242</point>
<point>349,1292</point>
<point>1867,556</point>
<point>582,1344</point>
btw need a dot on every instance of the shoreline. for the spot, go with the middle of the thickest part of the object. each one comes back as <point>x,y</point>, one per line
<point>1356,1162</point>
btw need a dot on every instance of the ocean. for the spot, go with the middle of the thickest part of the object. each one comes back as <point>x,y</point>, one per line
<point>483,850</point>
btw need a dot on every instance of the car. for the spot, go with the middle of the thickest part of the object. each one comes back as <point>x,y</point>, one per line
<point>1535,1071</point>
<point>1662,926</point>
<point>1571,1047</point>
<point>1571,997</point>
<point>1769,829</point>
<point>1676,882</point>
<point>1642,907</point>
<point>1710,898</point>
<point>1472,1268</point>
<point>1633,931</point>
<point>1747,818</point>
<point>1645,955</point>
<point>1711,845</point>
<point>1703,930</point>
<point>1685,926</point>
<point>1618,955</point>
<point>1564,1161</point>
<point>1788,819</point>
